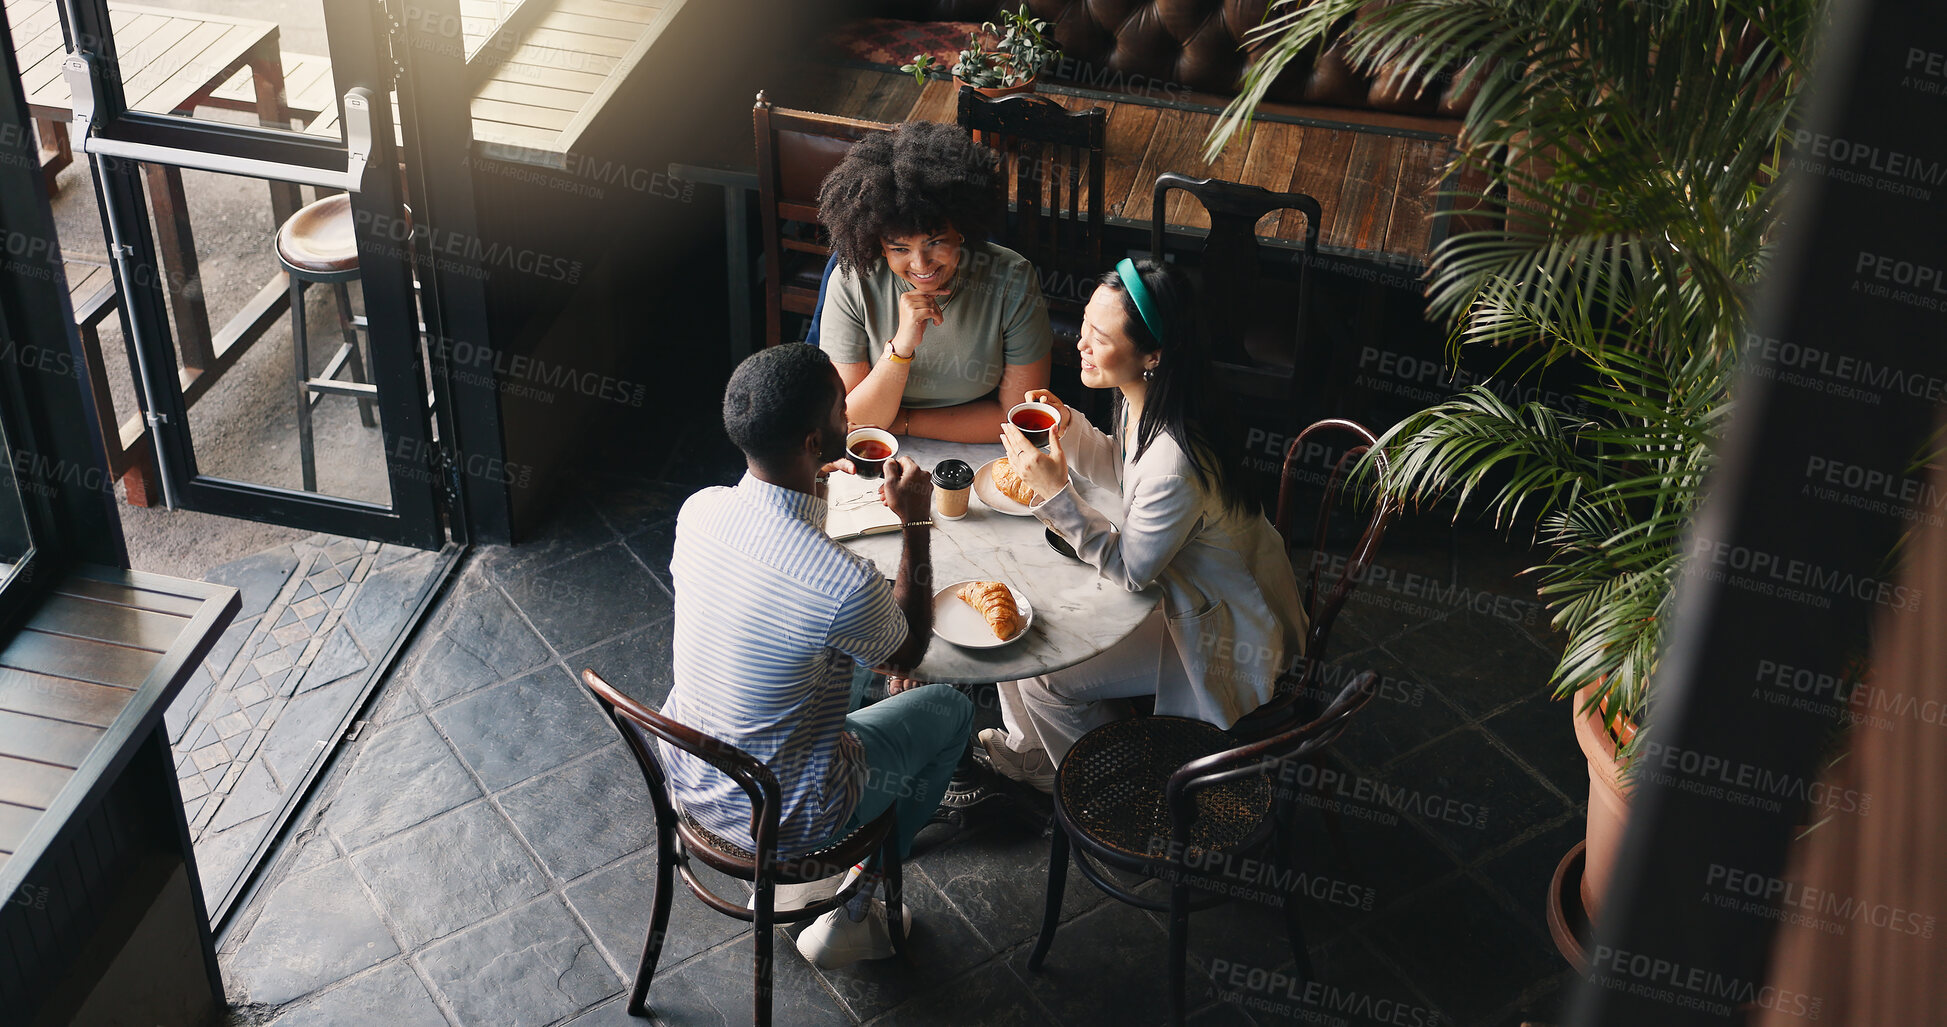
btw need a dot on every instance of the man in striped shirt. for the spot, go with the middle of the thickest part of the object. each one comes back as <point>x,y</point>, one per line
<point>771,618</point>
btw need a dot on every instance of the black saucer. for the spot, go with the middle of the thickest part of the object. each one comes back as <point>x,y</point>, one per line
<point>1060,545</point>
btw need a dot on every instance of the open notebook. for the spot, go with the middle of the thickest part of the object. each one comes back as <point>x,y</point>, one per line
<point>855,508</point>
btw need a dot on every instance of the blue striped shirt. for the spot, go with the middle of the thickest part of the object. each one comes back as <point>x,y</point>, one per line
<point>770,615</point>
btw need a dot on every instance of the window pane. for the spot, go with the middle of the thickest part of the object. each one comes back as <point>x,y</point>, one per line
<point>14,538</point>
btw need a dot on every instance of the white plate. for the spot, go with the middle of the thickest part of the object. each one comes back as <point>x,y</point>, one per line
<point>963,625</point>
<point>984,487</point>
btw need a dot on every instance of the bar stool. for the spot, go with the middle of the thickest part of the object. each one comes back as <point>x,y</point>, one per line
<point>316,244</point>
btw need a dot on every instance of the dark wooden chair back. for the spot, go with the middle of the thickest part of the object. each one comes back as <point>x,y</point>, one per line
<point>1248,324</point>
<point>1323,607</point>
<point>1298,744</point>
<point>1126,782</point>
<point>1325,589</point>
<point>1052,167</point>
<point>640,725</point>
<point>795,151</point>
<point>678,838</point>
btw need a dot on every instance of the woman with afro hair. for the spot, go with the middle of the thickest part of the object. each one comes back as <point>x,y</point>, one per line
<point>935,330</point>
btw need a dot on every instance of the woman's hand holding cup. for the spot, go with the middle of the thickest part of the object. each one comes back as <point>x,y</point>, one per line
<point>1044,396</point>
<point>1045,473</point>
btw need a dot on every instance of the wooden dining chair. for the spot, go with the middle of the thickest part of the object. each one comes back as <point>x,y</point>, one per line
<point>795,151</point>
<point>1052,170</point>
<point>1256,335</point>
<point>1169,799</point>
<point>1328,580</point>
<point>679,839</point>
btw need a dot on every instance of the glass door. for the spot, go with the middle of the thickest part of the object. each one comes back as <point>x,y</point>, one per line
<point>232,148</point>
<point>18,554</point>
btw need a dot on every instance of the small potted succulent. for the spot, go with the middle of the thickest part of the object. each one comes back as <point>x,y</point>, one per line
<point>1001,58</point>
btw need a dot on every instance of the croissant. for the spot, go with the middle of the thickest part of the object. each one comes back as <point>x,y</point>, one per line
<point>995,603</point>
<point>1008,480</point>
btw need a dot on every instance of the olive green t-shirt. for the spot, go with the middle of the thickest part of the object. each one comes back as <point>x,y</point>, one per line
<point>995,317</point>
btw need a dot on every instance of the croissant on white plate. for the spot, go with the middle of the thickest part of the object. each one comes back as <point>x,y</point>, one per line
<point>995,603</point>
<point>1009,482</point>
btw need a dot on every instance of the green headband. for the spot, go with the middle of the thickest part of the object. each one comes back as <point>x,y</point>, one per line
<point>1139,292</point>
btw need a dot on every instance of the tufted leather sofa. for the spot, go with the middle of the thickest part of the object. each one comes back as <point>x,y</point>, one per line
<point>1186,45</point>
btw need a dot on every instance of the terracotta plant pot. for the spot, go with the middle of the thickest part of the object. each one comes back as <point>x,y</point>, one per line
<point>1608,804</point>
<point>1026,85</point>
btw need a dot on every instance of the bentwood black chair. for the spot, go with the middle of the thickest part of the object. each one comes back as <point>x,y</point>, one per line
<point>680,839</point>
<point>1250,325</point>
<point>1329,578</point>
<point>1173,799</point>
<point>1052,162</point>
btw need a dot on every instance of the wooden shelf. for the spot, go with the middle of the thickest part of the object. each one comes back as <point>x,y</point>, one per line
<point>94,852</point>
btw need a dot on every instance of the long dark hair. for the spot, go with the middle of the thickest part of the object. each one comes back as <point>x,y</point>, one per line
<point>1178,401</point>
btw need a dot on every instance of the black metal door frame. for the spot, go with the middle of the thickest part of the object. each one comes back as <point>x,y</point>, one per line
<point>418,475</point>
<point>52,440</point>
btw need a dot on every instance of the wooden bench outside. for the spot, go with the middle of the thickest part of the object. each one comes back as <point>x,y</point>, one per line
<point>308,89</point>
<point>93,295</point>
<point>172,62</point>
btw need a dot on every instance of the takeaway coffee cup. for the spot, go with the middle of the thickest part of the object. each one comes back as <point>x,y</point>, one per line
<point>951,481</point>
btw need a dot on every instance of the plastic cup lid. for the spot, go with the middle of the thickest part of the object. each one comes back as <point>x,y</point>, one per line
<point>953,474</point>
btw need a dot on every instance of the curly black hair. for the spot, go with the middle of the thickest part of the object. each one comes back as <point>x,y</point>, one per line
<point>776,397</point>
<point>921,177</point>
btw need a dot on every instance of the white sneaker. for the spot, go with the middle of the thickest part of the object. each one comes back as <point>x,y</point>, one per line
<point>786,897</point>
<point>1032,768</point>
<point>854,931</point>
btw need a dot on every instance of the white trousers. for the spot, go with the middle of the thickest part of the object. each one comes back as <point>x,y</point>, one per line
<point>1051,711</point>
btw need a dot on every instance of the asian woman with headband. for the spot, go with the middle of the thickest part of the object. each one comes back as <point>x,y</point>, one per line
<point>1230,617</point>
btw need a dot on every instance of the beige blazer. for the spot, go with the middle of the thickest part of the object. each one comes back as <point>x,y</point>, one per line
<point>1228,588</point>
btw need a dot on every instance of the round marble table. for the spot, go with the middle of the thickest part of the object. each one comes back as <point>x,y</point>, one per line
<point>1077,614</point>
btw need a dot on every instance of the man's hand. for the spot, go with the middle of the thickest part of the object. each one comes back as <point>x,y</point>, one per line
<point>896,685</point>
<point>908,491</point>
<point>1045,473</point>
<point>916,310</point>
<point>821,487</point>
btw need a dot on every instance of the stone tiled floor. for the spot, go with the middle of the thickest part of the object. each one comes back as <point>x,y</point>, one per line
<point>261,710</point>
<point>481,853</point>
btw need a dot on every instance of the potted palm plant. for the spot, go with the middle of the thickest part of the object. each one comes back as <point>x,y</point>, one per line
<point>1000,58</point>
<point>1639,144</point>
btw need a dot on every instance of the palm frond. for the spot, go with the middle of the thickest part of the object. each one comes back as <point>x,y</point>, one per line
<point>1635,149</point>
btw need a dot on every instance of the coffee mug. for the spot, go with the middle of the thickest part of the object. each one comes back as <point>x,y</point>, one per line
<point>1036,420</point>
<point>869,449</point>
